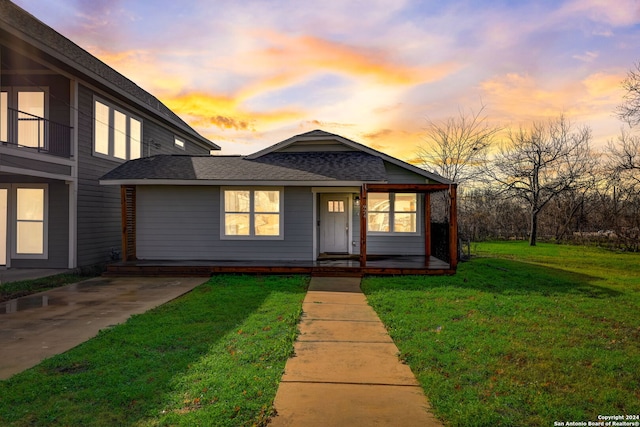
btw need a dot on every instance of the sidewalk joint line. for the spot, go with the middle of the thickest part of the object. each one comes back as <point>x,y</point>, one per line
<point>351,383</point>
<point>348,342</point>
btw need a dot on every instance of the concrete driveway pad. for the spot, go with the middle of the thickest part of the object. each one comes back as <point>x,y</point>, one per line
<point>48,323</point>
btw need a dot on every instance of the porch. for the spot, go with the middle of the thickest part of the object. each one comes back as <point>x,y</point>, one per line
<point>32,133</point>
<point>347,266</point>
<point>438,254</point>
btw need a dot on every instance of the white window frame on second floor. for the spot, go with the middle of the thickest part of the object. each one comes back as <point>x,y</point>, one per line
<point>249,214</point>
<point>112,132</point>
<point>20,132</point>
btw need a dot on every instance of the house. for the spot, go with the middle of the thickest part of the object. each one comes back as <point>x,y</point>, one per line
<point>314,202</point>
<point>66,119</point>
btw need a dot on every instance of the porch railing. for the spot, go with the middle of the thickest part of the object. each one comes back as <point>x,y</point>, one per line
<point>25,130</point>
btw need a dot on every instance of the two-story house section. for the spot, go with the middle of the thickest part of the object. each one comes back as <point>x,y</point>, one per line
<point>66,118</point>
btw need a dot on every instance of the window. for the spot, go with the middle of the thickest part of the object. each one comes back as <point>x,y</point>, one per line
<point>178,142</point>
<point>252,213</point>
<point>30,119</point>
<point>116,133</point>
<point>392,212</point>
<point>335,206</point>
<point>22,116</point>
<point>31,221</point>
<point>4,116</point>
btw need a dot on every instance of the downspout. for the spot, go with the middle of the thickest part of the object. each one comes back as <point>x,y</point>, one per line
<point>73,183</point>
<point>363,226</point>
<point>453,227</point>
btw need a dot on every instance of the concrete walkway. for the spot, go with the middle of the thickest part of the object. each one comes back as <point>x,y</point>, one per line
<point>346,370</point>
<point>38,326</point>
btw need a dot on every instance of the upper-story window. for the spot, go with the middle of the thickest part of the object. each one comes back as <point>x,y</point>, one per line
<point>116,133</point>
<point>179,143</point>
<point>22,117</point>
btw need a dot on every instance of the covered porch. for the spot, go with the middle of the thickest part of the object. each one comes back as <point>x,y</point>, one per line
<point>377,265</point>
<point>439,257</point>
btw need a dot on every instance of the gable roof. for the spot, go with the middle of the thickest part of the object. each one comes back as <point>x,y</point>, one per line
<point>72,58</point>
<point>320,135</point>
<point>353,164</point>
<point>300,168</point>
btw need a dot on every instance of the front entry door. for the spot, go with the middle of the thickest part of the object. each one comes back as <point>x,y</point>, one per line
<point>334,223</point>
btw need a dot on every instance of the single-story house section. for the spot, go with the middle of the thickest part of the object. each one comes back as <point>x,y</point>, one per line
<point>315,202</point>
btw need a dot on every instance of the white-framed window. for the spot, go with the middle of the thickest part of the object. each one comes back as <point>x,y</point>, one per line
<point>179,143</point>
<point>4,116</point>
<point>23,111</point>
<point>252,213</point>
<point>116,133</point>
<point>31,221</point>
<point>392,213</point>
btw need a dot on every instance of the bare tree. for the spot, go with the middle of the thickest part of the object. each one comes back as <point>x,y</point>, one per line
<point>629,110</point>
<point>624,180</point>
<point>624,158</point>
<point>456,147</point>
<point>539,164</point>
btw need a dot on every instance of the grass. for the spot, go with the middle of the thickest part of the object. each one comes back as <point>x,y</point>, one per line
<point>213,357</point>
<point>521,335</point>
<point>11,290</point>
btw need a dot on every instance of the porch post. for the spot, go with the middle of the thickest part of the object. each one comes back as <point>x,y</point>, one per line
<point>427,228</point>
<point>128,207</point>
<point>453,228</point>
<point>363,225</point>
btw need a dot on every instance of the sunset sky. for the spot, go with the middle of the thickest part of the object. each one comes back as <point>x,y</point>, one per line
<point>248,74</point>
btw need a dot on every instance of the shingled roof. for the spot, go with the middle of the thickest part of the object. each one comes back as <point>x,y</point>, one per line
<point>19,23</point>
<point>275,167</point>
<point>318,135</point>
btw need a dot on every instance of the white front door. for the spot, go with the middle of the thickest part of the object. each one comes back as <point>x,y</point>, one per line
<point>334,223</point>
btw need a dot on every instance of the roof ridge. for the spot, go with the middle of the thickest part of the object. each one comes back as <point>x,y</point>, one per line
<point>24,25</point>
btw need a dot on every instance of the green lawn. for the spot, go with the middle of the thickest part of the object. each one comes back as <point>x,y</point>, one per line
<point>521,335</point>
<point>11,290</point>
<point>213,357</point>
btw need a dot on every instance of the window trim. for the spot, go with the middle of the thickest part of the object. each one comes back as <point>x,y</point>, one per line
<point>392,212</point>
<point>252,213</point>
<point>12,102</point>
<point>14,222</point>
<point>112,108</point>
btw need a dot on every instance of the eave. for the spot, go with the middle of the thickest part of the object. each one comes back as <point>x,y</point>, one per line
<point>220,182</point>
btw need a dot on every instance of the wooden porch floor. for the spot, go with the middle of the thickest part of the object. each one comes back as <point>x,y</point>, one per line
<point>376,265</point>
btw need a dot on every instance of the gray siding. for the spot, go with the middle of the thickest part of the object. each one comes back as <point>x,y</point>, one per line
<point>34,165</point>
<point>398,175</point>
<point>99,221</point>
<point>183,223</point>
